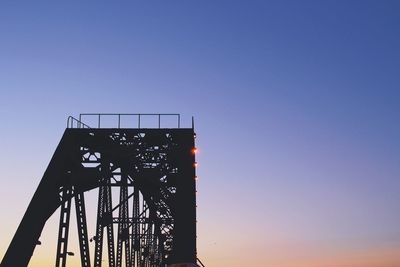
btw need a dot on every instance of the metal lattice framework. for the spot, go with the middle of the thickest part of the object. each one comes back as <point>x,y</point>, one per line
<point>153,171</point>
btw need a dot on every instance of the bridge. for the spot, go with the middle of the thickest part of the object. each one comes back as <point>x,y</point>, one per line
<point>152,170</point>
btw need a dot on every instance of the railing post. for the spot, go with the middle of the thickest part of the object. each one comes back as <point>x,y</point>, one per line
<point>119,121</point>
<point>159,121</point>
<point>99,122</point>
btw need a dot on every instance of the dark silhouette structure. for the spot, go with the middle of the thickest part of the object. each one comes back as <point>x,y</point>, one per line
<point>151,223</point>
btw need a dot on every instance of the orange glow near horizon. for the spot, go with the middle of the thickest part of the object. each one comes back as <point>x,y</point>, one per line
<point>288,255</point>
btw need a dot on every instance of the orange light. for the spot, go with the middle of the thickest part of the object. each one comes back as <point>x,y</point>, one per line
<point>194,150</point>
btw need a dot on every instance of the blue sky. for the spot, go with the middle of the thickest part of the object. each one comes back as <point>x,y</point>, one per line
<point>295,102</point>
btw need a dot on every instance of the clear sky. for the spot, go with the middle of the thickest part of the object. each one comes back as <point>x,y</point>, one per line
<point>296,106</point>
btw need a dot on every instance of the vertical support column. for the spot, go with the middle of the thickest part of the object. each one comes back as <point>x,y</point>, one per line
<point>149,239</point>
<point>154,248</point>
<point>65,211</point>
<point>125,233</point>
<point>110,229</point>
<point>184,205</point>
<point>98,250</point>
<point>135,242</point>
<point>123,224</point>
<point>144,236</point>
<point>104,218</point>
<point>82,229</point>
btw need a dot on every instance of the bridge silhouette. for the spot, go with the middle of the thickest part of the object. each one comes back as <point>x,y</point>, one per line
<point>153,169</point>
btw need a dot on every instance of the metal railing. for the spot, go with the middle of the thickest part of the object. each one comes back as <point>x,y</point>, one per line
<point>117,124</point>
<point>75,123</point>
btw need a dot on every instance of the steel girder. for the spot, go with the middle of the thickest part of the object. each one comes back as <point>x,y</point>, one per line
<point>157,163</point>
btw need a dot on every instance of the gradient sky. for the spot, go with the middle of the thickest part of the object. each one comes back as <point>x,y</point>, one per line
<point>296,106</point>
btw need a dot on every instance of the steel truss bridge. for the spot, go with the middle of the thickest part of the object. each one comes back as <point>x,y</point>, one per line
<point>151,223</point>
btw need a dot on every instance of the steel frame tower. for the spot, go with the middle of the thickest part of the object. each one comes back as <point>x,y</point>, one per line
<point>155,215</point>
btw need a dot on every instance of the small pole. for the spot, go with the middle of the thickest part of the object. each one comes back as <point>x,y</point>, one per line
<point>99,122</point>
<point>119,120</point>
<point>179,120</point>
<point>139,121</point>
<point>159,121</point>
